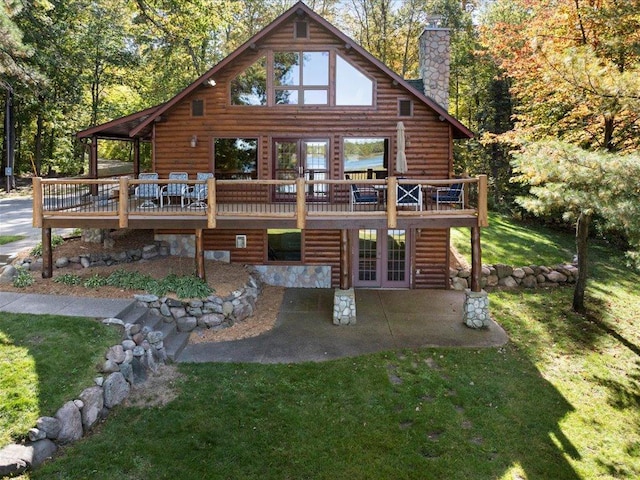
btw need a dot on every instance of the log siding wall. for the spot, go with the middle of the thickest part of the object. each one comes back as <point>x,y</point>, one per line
<point>428,147</point>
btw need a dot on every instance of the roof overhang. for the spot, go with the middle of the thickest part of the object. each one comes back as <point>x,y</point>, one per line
<point>121,128</point>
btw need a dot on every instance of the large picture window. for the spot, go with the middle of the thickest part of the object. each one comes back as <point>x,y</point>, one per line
<point>365,157</point>
<point>235,158</point>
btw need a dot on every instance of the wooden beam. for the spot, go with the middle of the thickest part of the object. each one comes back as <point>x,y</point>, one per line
<point>200,270</point>
<point>392,195</point>
<point>37,202</point>
<point>123,205</point>
<point>483,214</point>
<point>47,254</point>
<point>345,260</point>
<point>476,260</point>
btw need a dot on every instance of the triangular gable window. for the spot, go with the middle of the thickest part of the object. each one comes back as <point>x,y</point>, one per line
<point>250,87</point>
<point>352,86</point>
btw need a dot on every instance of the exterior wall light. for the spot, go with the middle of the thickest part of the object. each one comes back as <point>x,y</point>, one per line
<point>194,141</point>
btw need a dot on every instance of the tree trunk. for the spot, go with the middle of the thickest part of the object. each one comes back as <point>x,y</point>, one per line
<point>582,234</point>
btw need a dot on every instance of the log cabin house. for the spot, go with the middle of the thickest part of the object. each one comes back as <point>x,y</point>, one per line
<point>312,144</point>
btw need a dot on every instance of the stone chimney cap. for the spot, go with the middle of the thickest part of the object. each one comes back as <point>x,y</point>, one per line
<point>435,22</point>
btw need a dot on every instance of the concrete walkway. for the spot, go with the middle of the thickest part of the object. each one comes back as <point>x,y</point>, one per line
<point>304,331</point>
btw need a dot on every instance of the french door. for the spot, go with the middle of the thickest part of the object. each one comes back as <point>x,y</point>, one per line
<point>381,259</point>
<point>293,158</point>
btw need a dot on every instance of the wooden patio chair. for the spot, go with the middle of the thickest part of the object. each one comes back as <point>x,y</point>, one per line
<point>196,195</point>
<point>452,196</point>
<point>409,196</point>
<point>174,189</point>
<point>149,193</point>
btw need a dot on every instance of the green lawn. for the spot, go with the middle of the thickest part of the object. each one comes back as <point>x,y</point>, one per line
<point>560,401</point>
<point>45,361</point>
<point>4,239</point>
<point>517,244</point>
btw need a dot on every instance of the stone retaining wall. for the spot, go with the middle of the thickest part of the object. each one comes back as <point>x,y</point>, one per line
<point>212,312</point>
<point>101,259</point>
<point>125,364</point>
<point>506,276</point>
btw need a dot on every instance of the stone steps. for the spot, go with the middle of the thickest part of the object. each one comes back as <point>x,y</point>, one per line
<point>174,341</point>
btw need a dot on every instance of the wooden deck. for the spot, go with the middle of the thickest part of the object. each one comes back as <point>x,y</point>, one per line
<point>319,204</point>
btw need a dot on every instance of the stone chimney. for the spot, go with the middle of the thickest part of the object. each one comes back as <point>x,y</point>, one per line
<point>435,54</point>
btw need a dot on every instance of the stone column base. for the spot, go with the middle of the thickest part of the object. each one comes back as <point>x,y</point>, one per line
<point>344,307</point>
<point>476,309</point>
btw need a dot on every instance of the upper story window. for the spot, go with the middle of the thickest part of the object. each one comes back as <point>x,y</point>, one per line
<point>250,87</point>
<point>352,86</point>
<point>302,78</point>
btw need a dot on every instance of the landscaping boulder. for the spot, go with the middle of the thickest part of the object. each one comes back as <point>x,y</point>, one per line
<point>70,422</point>
<point>93,400</point>
<point>116,389</point>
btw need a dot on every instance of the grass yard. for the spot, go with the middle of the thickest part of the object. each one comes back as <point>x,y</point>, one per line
<point>45,361</point>
<point>4,239</point>
<point>560,401</point>
<point>517,244</point>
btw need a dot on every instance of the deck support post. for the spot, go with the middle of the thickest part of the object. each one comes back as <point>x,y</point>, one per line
<point>476,301</point>
<point>47,254</point>
<point>345,260</point>
<point>200,271</point>
<point>476,260</point>
<point>123,203</point>
<point>136,157</point>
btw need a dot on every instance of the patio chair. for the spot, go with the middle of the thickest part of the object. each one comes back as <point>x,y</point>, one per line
<point>196,195</point>
<point>149,193</point>
<point>409,196</point>
<point>450,196</point>
<point>173,189</point>
<point>362,197</point>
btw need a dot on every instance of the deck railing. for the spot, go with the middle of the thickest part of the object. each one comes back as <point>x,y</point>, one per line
<point>298,199</point>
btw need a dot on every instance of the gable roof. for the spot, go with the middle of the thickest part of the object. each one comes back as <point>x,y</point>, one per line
<point>139,124</point>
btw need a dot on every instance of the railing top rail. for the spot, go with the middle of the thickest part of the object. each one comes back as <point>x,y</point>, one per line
<point>104,181</point>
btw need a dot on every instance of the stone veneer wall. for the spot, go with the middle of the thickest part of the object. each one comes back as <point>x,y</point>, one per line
<point>506,276</point>
<point>291,276</point>
<point>434,53</point>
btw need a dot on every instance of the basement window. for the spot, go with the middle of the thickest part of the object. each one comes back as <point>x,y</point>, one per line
<point>285,245</point>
